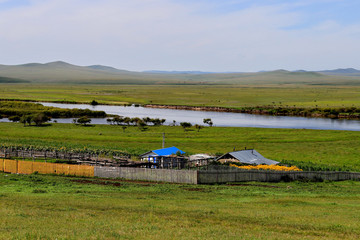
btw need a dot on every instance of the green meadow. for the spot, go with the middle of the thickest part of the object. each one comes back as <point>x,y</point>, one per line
<point>53,207</point>
<point>231,96</point>
<point>58,207</point>
<point>323,148</point>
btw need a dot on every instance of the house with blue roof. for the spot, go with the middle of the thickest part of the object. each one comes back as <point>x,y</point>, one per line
<point>165,157</point>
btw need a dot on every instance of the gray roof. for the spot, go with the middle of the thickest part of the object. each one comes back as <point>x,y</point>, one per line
<point>249,157</point>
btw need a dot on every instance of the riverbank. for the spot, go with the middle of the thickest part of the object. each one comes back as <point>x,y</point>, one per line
<point>335,113</point>
<point>272,110</point>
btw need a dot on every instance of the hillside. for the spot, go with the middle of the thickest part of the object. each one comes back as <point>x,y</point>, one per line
<point>342,72</point>
<point>62,72</point>
<point>12,80</point>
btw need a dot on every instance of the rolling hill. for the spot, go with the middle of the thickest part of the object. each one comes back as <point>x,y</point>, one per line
<point>62,72</point>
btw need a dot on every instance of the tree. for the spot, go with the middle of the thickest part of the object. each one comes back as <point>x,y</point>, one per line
<point>118,120</point>
<point>26,119</point>
<point>110,121</point>
<point>94,102</point>
<point>127,120</point>
<point>208,121</point>
<point>146,120</point>
<point>142,125</point>
<point>39,119</point>
<point>83,120</point>
<point>185,125</point>
<point>155,121</point>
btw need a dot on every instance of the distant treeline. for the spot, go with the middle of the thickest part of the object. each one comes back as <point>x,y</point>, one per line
<point>345,112</point>
<point>13,108</point>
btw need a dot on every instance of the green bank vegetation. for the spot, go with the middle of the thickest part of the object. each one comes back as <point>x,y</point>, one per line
<point>231,96</point>
<point>293,100</point>
<point>15,108</point>
<point>326,149</point>
<point>53,207</point>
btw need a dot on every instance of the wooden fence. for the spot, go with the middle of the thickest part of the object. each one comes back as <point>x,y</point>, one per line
<point>237,175</point>
<point>171,175</point>
<point>28,167</point>
<point>74,157</point>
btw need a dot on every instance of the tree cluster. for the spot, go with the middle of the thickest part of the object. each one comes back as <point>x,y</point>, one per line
<point>119,120</point>
<point>38,119</point>
<point>82,120</point>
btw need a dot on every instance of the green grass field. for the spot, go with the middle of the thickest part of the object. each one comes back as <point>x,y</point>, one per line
<point>232,96</point>
<point>53,207</point>
<point>338,149</point>
<point>56,207</point>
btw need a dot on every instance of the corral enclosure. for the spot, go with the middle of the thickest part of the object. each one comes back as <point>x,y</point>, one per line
<point>169,175</point>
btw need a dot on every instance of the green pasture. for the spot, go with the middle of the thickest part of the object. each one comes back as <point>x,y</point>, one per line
<point>337,149</point>
<point>53,207</point>
<point>232,96</point>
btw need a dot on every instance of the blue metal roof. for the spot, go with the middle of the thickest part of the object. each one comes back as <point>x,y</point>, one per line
<point>167,151</point>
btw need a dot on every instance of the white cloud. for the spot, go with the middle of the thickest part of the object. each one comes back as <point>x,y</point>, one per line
<point>169,35</point>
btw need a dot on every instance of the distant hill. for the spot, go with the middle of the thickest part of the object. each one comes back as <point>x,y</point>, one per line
<point>342,72</point>
<point>62,72</point>
<point>177,72</point>
<point>12,80</point>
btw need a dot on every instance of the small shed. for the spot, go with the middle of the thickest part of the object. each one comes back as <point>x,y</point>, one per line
<point>200,159</point>
<point>250,156</point>
<point>165,158</point>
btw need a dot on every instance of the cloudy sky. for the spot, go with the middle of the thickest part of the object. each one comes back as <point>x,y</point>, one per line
<point>206,35</point>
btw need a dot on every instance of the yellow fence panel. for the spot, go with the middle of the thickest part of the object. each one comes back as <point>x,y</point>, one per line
<point>1,165</point>
<point>81,170</point>
<point>44,168</point>
<point>10,166</point>
<point>62,169</point>
<point>25,167</point>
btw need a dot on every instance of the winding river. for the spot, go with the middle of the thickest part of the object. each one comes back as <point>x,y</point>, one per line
<point>221,119</point>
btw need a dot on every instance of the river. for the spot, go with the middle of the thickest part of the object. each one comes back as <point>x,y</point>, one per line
<point>220,119</point>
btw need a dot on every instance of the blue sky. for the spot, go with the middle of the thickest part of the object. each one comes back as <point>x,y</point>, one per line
<point>207,35</point>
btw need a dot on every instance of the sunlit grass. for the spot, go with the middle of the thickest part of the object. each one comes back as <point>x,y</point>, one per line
<point>324,147</point>
<point>234,96</point>
<point>49,207</point>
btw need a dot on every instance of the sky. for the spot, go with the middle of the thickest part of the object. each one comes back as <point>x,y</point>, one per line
<point>201,35</point>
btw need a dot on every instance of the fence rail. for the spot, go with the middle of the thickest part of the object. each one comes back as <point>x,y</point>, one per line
<point>74,157</point>
<point>171,175</point>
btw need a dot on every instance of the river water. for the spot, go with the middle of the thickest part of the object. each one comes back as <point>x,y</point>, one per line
<point>221,119</point>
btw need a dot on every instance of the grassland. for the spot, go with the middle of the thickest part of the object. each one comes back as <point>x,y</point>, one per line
<point>53,207</point>
<point>338,149</point>
<point>232,96</point>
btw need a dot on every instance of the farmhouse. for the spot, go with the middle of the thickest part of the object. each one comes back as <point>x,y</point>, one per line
<point>250,156</point>
<point>165,158</point>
